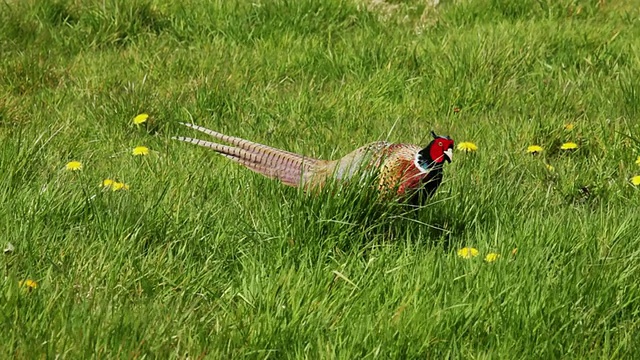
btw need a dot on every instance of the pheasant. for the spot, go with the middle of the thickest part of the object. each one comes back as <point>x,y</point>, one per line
<point>402,170</point>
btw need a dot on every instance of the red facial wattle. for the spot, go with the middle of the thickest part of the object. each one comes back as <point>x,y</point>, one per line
<point>438,148</point>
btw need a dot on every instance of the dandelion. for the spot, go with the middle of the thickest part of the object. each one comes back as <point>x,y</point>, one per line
<point>534,149</point>
<point>139,119</point>
<point>635,180</point>
<point>467,146</point>
<point>28,284</point>
<point>114,185</point>
<point>569,126</point>
<point>140,151</point>
<point>107,183</point>
<point>73,166</point>
<point>119,186</point>
<point>491,257</point>
<point>638,160</point>
<point>550,168</point>
<point>569,146</point>
<point>468,252</point>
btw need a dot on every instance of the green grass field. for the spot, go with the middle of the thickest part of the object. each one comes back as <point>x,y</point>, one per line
<point>201,258</point>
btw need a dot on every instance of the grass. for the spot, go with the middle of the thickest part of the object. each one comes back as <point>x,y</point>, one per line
<point>201,258</point>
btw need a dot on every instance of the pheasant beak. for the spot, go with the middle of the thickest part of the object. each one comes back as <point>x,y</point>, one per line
<point>448,154</point>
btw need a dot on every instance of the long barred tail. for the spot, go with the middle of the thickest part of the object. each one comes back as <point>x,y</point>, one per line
<point>286,166</point>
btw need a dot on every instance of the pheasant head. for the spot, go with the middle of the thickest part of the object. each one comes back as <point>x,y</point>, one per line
<point>439,150</point>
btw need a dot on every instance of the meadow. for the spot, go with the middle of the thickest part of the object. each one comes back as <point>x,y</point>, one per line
<point>181,253</point>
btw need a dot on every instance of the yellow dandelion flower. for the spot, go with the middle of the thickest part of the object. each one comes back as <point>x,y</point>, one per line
<point>467,146</point>
<point>635,180</point>
<point>491,257</point>
<point>638,160</point>
<point>468,252</point>
<point>140,151</point>
<point>569,146</point>
<point>107,183</point>
<point>119,186</point>
<point>534,149</point>
<point>140,118</point>
<point>550,168</point>
<point>28,284</point>
<point>569,126</point>
<point>73,166</point>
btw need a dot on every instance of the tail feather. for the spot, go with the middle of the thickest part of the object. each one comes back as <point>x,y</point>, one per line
<point>286,166</point>
<point>288,176</point>
<point>239,142</point>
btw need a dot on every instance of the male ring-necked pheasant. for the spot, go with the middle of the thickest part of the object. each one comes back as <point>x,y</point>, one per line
<point>402,169</point>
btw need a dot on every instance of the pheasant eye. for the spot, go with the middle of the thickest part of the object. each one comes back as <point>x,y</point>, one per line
<point>439,143</point>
